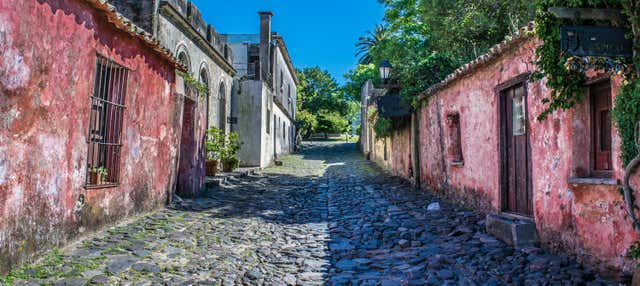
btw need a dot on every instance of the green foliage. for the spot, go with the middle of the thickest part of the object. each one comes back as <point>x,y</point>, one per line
<point>332,122</point>
<point>215,143</point>
<point>383,127</point>
<point>368,43</point>
<point>634,251</point>
<point>306,123</point>
<point>229,152</point>
<point>101,171</point>
<point>323,106</point>
<point>626,114</point>
<point>50,267</point>
<point>194,83</point>
<point>470,27</point>
<point>565,75</point>
<point>425,40</point>
<point>357,77</point>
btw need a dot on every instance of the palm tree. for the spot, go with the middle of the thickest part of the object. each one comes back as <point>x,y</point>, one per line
<point>367,43</point>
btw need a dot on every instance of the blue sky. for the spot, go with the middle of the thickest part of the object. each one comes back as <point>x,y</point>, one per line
<point>317,33</point>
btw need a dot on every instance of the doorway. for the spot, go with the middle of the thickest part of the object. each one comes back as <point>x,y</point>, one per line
<point>515,151</point>
<point>187,148</point>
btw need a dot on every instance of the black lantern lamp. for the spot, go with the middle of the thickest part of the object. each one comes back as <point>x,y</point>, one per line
<point>385,70</point>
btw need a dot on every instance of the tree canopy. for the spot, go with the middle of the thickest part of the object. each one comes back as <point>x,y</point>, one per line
<point>323,105</point>
<point>425,40</point>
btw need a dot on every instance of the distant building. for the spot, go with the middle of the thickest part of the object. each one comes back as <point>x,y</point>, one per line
<point>179,27</point>
<point>90,123</point>
<point>264,100</point>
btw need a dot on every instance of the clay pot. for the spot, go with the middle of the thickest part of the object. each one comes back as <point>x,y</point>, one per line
<point>96,179</point>
<point>211,168</point>
<point>229,166</point>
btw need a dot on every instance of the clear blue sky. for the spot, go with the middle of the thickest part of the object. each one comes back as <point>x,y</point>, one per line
<point>317,33</point>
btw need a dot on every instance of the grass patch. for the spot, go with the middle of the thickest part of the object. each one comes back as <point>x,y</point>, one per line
<point>50,266</point>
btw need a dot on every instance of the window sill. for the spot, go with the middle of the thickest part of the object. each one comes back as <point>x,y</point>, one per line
<point>97,187</point>
<point>456,163</point>
<point>594,181</point>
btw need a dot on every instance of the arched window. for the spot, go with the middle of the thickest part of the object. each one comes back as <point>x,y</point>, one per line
<point>222,107</point>
<point>183,59</point>
<point>204,79</point>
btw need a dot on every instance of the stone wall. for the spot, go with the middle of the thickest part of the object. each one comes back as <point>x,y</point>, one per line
<point>47,76</point>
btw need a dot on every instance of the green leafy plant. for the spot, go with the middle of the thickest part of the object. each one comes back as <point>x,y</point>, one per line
<point>383,127</point>
<point>215,143</point>
<point>194,83</point>
<point>229,152</point>
<point>101,174</point>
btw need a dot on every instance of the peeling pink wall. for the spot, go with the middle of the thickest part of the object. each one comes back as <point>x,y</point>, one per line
<point>587,221</point>
<point>401,150</point>
<point>47,68</point>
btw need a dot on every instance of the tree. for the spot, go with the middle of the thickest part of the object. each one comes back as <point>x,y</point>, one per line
<point>357,77</point>
<point>323,105</point>
<point>370,42</point>
<point>306,123</point>
<point>426,40</point>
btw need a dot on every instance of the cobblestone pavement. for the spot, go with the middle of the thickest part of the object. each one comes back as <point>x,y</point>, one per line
<point>324,218</point>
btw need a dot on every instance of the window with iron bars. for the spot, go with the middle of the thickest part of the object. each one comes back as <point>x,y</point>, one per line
<point>105,124</point>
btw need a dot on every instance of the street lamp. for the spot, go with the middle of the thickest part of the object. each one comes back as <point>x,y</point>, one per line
<point>385,70</point>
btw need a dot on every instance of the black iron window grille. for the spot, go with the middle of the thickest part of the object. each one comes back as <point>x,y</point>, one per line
<point>105,124</point>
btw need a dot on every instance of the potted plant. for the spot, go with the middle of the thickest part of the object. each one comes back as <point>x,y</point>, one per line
<point>98,175</point>
<point>229,154</point>
<point>214,145</point>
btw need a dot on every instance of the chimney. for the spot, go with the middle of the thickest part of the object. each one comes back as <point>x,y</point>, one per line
<point>265,44</point>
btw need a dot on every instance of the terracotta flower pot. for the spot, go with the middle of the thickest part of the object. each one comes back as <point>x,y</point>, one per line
<point>211,168</point>
<point>228,168</point>
<point>94,178</point>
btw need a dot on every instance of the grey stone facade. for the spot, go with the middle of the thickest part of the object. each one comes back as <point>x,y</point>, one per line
<point>179,27</point>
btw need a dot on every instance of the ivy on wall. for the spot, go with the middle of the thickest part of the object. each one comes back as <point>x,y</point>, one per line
<point>565,75</point>
<point>566,78</point>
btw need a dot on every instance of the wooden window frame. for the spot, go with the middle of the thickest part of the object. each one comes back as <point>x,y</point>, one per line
<point>595,132</point>
<point>106,122</point>
<point>454,150</point>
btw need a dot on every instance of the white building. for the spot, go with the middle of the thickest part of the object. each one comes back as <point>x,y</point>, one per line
<point>263,101</point>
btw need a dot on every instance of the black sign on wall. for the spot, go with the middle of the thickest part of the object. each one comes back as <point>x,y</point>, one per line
<point>595,41</point>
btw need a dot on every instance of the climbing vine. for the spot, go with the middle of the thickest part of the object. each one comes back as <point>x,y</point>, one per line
<point>192,82</point>
<point>565,75</point>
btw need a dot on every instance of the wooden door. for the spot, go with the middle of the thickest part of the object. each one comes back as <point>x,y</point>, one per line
<point>187,149</point>
<point>516,183</point>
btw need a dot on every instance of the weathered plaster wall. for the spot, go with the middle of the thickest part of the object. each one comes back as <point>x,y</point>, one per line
<point>175,40</point>
<point>401,151</point>
<point>47,66</point>
<point>283,132</point>
<point>286,92</point>
<point>587,221</point>
<point>250,124</point>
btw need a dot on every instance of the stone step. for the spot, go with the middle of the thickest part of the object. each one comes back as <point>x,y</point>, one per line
<point>518,232</point>
<point>217,181</point>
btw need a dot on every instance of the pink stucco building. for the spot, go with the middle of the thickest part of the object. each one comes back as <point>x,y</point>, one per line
<point>91,123</point>
<point>480,142</point>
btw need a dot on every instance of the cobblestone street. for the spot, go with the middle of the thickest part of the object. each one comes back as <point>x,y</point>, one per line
<point>326,217</point>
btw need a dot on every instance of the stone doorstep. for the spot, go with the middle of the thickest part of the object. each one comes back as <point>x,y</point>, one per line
<point>214,181</point>
<point>517,232</point>
<point>221,178</point>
